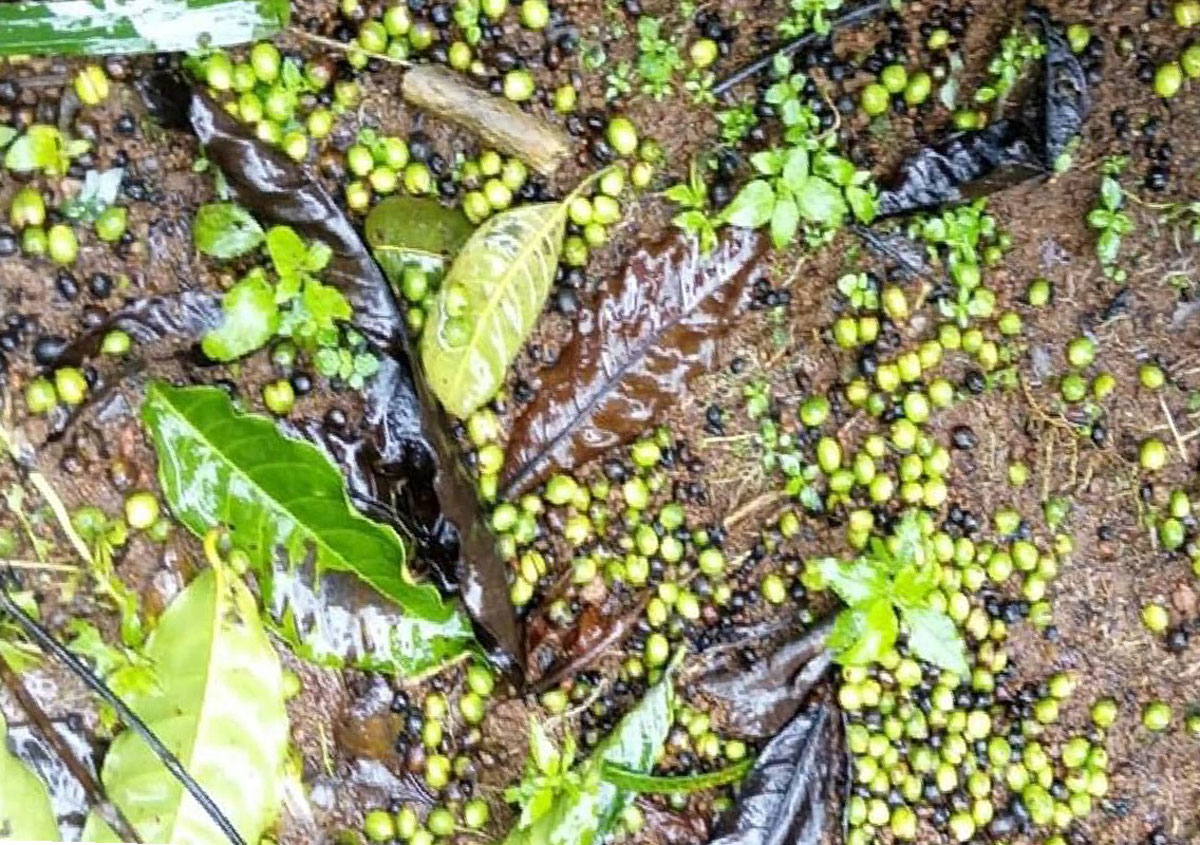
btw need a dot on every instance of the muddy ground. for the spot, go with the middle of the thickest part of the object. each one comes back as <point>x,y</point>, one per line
<point>341,721</point>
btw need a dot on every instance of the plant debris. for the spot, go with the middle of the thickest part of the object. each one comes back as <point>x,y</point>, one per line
<point>649,330</point>
<point>1008,152</point>
<point>409,458</point>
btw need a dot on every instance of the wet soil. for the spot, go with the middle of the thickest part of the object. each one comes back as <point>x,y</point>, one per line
<point>343,724</point>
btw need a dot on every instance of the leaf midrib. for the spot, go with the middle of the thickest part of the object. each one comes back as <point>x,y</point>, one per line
<point>234,468</point>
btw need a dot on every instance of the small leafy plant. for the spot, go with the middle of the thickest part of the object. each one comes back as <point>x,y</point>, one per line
<point>1017,50</point>
<point>294,304</point>
<point>658,58</point>
<point>808,15</point>
<point>889,586</point>
<point>736,123</point>
<point>1108,219</point>
<point>695,218</point>
<point>797,191</point>
<point>42,148</point>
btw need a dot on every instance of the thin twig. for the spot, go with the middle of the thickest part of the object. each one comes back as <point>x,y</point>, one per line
<point>304,35</point>
<point>38,565</point>
<point>751,506</point>
<point>790,48</point>
<point>1174,431</point>
<point>95,793</point>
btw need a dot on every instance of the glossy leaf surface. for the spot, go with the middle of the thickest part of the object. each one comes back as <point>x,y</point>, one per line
<point>489,303</point>
<point>404,464</point>
<point>784,800</point>
<point>104,27</point>
<point>406,230</point>
<point>280,496</point>
<point>218,707</point>
<point>648,330</point>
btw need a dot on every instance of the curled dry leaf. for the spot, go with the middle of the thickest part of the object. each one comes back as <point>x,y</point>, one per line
<point>761,698</point>
<point>973,164</point>
<point>785,798</point>
<point>647,331</point>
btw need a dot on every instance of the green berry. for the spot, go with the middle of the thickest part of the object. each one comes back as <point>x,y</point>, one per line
<point>378,826</point>
<point>279,397</point>
<point>61,244</point>
<point>40,397</point>
<point>703,52</point>
<point>1168,79</point>
<point>874,99</point>
<point>894,78</point>
<point>622,136</point>
<point>1152,455</point>
<point>518,85</point>
<point>535,14</point>
<point>141,510</point>
<point>265,59</point>
<point>70,385</point>
<point>27,208</point>
<point>1156,716</point>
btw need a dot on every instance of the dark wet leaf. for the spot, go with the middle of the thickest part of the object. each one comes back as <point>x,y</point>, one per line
<point>183,317</point>
<point>1010,151</point>
<point>763,697</point>
<point>647,331</point>
<point>103,27</point>
<point>784,800</point>
<point>407,459</point>
<point>403,231</point>
<point>967,165</point>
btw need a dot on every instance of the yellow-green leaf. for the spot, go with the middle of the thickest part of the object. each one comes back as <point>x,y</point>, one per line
<point>489,302</point>
<point>25,809</point>
<point>218,707</point>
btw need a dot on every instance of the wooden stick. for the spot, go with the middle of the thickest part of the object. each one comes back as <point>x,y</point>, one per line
<point>500,123</point>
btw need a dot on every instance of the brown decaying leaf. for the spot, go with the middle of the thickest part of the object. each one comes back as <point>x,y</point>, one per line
<point>762,698</point>
<point>408,460</point>
<point>647,331</point>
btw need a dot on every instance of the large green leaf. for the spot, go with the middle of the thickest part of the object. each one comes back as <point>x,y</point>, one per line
<point>102,27</point>
<point>586,815</point>
<point>218,707</point>
<point>489,302</point>
<point>285,505</point>
<point>25,809</point>
<point>854,582</point>
<point>414,230</point>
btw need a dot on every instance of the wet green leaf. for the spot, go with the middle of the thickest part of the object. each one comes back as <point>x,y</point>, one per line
<point>42,148</point>
<point>752,206</point>
<point>785,219</point>
<point>25,809</point>
<point>7,133</point>
<point>854,582</point>
<point>105,27</point>
<point>225,230</point>
<point>414,230</point>
<point>674,784</point>
<point>219,708</point>
<point>862,635</point>
<point>250,319</point>
<point>933,637</point>
<point>489,302</point>
<point>820,201</point>
<point>285,505</point>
